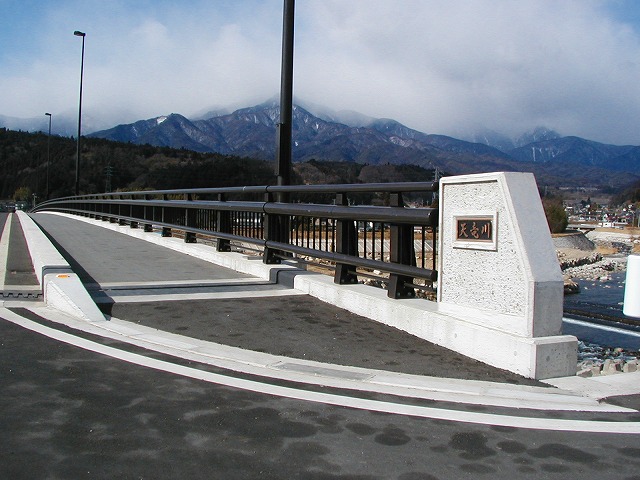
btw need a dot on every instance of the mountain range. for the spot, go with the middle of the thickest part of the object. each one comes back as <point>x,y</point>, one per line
<point>351,137</point>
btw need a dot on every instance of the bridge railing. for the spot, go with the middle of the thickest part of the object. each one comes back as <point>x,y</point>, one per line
<point>394,244</point>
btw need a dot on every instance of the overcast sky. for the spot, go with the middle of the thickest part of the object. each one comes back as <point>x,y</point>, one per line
<point>439,66</point>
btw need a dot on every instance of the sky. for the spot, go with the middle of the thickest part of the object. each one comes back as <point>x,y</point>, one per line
<point>438,66</point>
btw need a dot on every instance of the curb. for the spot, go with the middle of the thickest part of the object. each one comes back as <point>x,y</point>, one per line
<point>60,285</point>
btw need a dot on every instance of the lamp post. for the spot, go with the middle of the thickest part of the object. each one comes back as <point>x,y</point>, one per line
<point>77,189</point>
<point>283,154</point>
<point>46,197</point>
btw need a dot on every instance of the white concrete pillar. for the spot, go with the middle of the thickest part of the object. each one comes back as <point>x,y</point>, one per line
<point>498,276</point>
<point>632,287</point>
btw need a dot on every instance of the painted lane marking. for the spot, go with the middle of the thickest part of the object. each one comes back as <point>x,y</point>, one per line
<point>177,284</point>
<point>409,386</point>
<point>135,292</point>
<point>166,295</point>
<point>333,399</point>
<point>597,326</point>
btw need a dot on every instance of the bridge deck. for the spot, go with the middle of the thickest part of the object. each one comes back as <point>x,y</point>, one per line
<point>134,280</point>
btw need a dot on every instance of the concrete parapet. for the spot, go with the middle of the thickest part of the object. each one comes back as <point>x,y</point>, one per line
<point>44,256</point>
<point>61,287</point>
<point>65,292</point>
<point>632,287</point>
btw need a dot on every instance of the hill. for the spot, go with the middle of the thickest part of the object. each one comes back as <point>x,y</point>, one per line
<point>109,166</point>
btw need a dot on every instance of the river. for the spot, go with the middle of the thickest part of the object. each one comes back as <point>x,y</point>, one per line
<point>602,302</point>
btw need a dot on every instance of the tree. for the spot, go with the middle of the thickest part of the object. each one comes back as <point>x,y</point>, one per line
<point>22,194</point>
<point>556,215</point>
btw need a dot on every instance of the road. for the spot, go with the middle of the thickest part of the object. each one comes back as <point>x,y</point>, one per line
<point>72,413</point>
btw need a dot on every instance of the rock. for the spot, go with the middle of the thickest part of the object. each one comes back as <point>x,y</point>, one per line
<point>596,271</point>
<point>630,367</point>
<point>610,367</point>
<point>586,372</point>
<point>571,287</point>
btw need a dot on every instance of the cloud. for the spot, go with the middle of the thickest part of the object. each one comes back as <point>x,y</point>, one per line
<point>444,66</point>
<point>439,67</point>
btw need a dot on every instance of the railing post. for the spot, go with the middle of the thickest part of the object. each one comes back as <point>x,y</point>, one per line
<point>276,229</point>
<point>121,221</point>
<point>166,231</point>
<point>223,220</point>
<point>189,221</point>
<point>148,227</point>
<point>401,251</point>
<point>347,243</point>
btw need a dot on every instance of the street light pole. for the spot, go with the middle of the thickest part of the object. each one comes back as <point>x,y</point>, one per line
<point>46,196</point>
<point>77,188</point>
<point>283,160</point>
<point>279,225</point>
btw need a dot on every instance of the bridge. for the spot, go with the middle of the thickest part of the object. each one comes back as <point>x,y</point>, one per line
<point>137,342</point>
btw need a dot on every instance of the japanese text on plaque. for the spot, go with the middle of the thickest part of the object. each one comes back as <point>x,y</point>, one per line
<point>475,229</point>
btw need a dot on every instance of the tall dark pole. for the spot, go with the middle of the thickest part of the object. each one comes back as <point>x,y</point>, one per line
<point>77,189</point>
<point>46,196</point>
<point>283,153</point>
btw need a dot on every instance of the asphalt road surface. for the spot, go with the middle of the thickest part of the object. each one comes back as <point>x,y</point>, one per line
<point>72,413</point>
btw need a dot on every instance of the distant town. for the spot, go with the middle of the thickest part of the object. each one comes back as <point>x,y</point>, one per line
<point>588,214</point>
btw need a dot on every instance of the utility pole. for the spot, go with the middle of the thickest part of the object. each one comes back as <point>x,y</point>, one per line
<point>108,172</point>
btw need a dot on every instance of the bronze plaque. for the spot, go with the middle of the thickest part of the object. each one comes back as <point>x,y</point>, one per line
<point>474,229</point>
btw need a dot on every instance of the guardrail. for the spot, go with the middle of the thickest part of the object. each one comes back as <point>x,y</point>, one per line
<point>389,242</point>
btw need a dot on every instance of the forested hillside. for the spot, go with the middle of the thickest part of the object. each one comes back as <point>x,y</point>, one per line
<point>110,166</point>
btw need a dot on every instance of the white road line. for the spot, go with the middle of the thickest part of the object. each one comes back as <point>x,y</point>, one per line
<point>177,284</point>
<point>333,399</point>
<point>4,250</point>
<point>597,326</point>
<point>166,296</point>
<point>330,375</point>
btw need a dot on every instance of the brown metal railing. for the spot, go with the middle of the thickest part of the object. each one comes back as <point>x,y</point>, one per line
<point>390,242</point>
